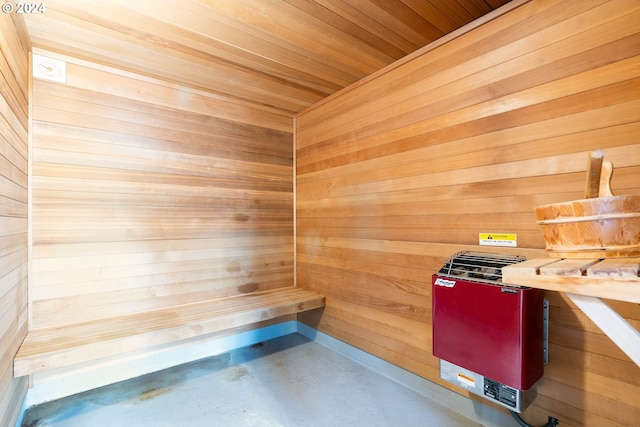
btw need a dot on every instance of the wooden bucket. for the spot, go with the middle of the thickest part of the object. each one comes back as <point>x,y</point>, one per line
<point>601,227</point>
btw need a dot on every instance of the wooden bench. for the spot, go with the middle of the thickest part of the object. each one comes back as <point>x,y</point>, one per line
<point>57,347</point>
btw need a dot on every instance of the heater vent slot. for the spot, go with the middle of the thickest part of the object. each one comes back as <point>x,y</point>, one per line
<point>478,266</point>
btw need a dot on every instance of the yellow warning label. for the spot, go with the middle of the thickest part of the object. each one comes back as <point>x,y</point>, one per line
<point>466,380</point>
<point>498,239</point>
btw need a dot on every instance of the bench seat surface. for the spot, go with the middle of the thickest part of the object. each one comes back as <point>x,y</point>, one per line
<point>56,347</point>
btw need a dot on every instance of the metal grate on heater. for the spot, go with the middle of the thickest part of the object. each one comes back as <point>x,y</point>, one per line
<point>478,266</point>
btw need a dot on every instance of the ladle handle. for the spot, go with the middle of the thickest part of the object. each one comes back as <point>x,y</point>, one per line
<point>594,168</point>
<point>605,180</point>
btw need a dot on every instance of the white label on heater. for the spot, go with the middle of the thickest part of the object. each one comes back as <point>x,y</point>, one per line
<point>445,282</point>
<point>466,380</point>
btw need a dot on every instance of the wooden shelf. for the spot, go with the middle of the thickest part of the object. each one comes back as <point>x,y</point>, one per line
<point>613,278</point>
<point>585,282</point>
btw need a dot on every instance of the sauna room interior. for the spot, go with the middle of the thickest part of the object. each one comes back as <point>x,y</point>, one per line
<point>176,173</point>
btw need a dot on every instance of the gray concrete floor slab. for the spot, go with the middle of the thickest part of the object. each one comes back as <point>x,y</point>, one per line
<point>288,381</point>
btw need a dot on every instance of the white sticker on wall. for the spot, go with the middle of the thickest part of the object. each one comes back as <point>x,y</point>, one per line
<point>49,68</point>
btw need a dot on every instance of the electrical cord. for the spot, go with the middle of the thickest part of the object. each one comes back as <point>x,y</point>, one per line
<point>551,423</point>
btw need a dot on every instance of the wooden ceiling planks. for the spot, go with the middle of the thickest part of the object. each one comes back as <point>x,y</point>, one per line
<point>284,55</point>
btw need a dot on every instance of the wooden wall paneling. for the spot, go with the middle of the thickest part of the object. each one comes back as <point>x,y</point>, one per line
<point>14,87</point>
<point>285,21</point>
<point>148,55</point>
<point>469,123</point>
<point>439,83</point>
<point>186,29</point>
<point>182,128</point>
<point>342,15</point>
<point>439,67</point>
<point>127,86</point>
<point>402,170</point>
<point>153,196</point>
<point>285,55</point>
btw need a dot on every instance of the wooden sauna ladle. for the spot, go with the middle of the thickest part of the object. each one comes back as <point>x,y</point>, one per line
<point>598,176</point>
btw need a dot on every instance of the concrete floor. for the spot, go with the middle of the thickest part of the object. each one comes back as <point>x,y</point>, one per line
<point>287,381</point>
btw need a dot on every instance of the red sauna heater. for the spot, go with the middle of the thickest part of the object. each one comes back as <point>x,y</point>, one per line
<point>490,336</point>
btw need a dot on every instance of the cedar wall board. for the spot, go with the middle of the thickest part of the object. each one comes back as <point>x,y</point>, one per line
<point>147,195</point>
<point>400,171</point>
<point>14,124</point>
